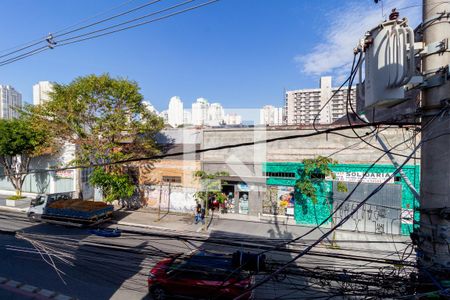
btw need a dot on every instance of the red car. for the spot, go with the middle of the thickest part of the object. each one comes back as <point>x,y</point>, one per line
<point>198,276</point>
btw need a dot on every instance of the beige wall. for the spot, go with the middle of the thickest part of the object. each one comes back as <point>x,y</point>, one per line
<point>183,168</point>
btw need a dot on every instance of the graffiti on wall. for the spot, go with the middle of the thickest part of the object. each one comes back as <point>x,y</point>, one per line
<point>380,214</point>
<point>175,198</point>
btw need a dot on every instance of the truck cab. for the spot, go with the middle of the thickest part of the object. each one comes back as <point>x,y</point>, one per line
<point>38,204</point>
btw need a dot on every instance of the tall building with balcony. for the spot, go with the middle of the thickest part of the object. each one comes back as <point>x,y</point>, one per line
<point>41,92</point>
<point>302,106</point>
<point>10,102</point>
<point>175,113</point>
<point>271,115</point>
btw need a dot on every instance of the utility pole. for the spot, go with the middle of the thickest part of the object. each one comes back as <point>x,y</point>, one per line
<point>433,236</point>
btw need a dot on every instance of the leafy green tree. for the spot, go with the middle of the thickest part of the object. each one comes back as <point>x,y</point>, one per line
<point>314,171</point>
<point>20,141</point>
<point>114,185</point>
<point>107,121</point>
<point>210,186</point>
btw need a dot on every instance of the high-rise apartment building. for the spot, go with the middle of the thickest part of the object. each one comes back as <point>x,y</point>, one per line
<point>215,114</point>
<point>302,106</point>
<point>271,115</point>
<point>200,112</point>
<point>187,120</point>
<point>175,113</point>
<point>233,119</point>
<point>41,92</point>
<point>165,116</point>
<point>10,102</point>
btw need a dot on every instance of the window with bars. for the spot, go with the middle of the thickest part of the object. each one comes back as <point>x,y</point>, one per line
<point>280,174</point>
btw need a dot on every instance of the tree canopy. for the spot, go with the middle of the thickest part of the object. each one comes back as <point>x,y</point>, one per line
<point>103,116</point>
<point>107,121</point>
<point>20,141</point>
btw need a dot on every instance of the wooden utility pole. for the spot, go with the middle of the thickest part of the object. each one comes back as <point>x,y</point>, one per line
<point>433,236</point>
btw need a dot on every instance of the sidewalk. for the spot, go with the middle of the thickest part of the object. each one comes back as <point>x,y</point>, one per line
<point>234,224</point>
<point>19,205</point>
<point>273,227</point>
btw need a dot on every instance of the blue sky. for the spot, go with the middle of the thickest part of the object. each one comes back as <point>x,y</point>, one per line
<point>242,53</point>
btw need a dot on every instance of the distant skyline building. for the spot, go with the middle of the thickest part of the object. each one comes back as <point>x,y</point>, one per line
<point>149,107</point>
<point>165,116</point>
<point>175,112</point>
<point>187,120</point>
<point>41,92</point>
<point>215,114</point>
<point>302,106</point>
<point>233,119</point>
<point>271,115</point>
<point>200,112</point>
<point>10,102</point>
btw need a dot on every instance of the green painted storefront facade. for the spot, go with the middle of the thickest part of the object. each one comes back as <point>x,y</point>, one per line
<point>307,213</point>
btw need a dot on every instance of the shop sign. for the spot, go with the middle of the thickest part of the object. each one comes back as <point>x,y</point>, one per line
<point>243,187</point>
<point>358,176</point>
<point>64,174</point>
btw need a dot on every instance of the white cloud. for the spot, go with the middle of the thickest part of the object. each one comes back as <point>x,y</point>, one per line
<point>344,28</point>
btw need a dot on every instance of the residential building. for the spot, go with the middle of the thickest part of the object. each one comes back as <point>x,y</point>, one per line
<point>232,119</point>
<point>175,112</point>
<point>165,116</point>
<point>215,114</point>
<point>200,112</point>
<point>302,106</point>
<point>150,107</point>
<point>10,102</point>
<point>41,92</point>
<point>271,115</point>
<point>187,120</point>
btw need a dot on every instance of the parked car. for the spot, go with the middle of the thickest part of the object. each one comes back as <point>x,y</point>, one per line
<point>200,275</point>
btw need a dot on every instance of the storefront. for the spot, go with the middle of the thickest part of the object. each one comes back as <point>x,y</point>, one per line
<point>243,197</point>
<point>391,210</point>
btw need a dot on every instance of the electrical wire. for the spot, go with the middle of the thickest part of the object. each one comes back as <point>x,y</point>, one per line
<point>67,42</point>
<point>108,19</point>
<point>305,251</point>
<point>53,43</point>
<point>229,146</point>
<point>35,42</point>
<point>348,104</point>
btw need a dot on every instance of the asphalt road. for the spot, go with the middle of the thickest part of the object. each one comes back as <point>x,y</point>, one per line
<point>73,262</point>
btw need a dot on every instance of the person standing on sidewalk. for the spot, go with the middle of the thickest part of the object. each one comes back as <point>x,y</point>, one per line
<point>198,212</point>
<point>202,215</point>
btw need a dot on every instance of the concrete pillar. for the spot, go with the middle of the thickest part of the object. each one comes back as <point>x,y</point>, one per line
<point>433,236</point>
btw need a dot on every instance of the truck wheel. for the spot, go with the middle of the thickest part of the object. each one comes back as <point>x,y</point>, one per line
<point>33,217</point>
<point>158,293</point>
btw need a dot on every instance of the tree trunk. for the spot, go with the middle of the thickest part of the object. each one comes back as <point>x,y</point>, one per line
<point>15,168</point>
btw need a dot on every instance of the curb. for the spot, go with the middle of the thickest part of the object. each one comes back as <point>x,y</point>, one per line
<point>16,209</point>
<point>157,228</point>
<point>31,291</point>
